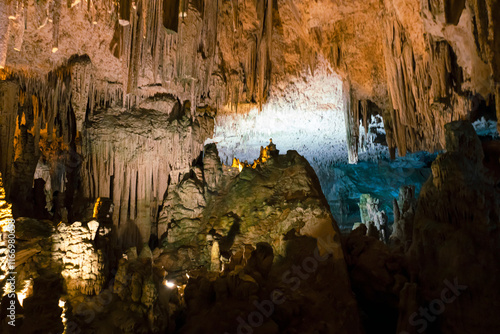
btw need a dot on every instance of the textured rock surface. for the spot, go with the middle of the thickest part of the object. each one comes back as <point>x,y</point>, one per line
<point>438,60</point>
<point>84,266</point>
<point>455,236</point>
<point>131,157</point>
<point>404,213</point>
<point>257,296</point>
<point>374,219</point>
<point>114,99</point>
<point>264,204</point>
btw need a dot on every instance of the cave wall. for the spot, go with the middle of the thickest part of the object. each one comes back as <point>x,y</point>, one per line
<point>435,67</point>
<point>424,63</point>
<point>73,70</point>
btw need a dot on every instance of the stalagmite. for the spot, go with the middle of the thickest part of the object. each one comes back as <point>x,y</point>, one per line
<point>215,257</point>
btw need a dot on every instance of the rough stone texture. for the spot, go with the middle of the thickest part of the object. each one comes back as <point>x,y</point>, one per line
<point>212,167</point>
<point>436,54</point>
<point>455,235</point>
<point>378,276</point>
<point>404,213</point>
<point>136,302</point>
<point>281,196</point>
<point>83,264</point>
<point>373,218</point>
<point>225,302</point>
<point>132,156</point>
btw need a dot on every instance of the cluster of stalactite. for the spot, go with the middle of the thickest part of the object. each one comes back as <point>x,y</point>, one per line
<point>80,138</point>
<point>37,124</point>
<point>133,162</point>
<point>171,44</point>
<point>427,92</point>
<point>421,91</point>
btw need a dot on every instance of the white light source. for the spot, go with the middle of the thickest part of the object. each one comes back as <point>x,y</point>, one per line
<point>54,49</point>
<point>304,114</point>
<point>169,284</point>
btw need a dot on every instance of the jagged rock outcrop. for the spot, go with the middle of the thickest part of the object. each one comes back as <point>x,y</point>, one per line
<point>182,211</point>
<point>212,167</point>
<point>455,235</point>
<point>137,301</point>
<point>404,213</point>
<point>258,296</point>
<point>278,197</point>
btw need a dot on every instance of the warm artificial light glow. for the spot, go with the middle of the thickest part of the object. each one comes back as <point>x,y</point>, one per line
<point>62,305</point>
<point>24,292</point>
<point>5,209</point>
<point>265,154</point>
<point>54,49</point>
<point>237,164</point>
<point>169,284</point>
<point>76,2</point>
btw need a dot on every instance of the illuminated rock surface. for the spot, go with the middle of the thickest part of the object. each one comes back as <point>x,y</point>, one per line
<point>128,131</point>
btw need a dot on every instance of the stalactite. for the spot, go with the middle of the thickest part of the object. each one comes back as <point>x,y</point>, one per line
<point>56,19</point>
<point>421,89</point>
<point>135,47</point>
<point>209,30</point>
<point>351,115</point>
<point>9,91</point>
<point>140,160</point>
<point>171,14</point>
<point>124,12</point>
<point>4,32</point>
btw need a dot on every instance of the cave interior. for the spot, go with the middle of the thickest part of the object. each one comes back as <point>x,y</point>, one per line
<point>249,166</point>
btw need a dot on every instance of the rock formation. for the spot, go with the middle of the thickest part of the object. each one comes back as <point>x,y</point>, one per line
<point>374,219</point>
<point>263,203</point>
<point>455,233</point>
<point>404,213</point>
<point>124,217</point>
